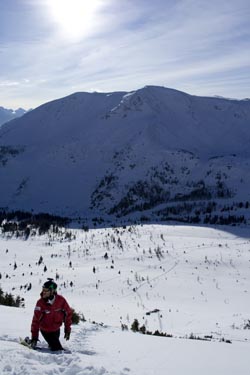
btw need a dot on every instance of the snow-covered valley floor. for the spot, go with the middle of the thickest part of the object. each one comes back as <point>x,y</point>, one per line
<point>180,280</point>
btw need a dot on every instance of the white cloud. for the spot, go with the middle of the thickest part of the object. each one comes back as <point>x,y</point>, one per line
<point>9,83</point>
<point>184,44</point>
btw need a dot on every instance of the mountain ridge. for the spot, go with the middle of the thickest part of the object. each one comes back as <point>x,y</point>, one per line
<point>10,114</point>
<point>120,154</point>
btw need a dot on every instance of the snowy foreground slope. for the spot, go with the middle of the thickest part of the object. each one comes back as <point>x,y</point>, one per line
<point>181,280</point>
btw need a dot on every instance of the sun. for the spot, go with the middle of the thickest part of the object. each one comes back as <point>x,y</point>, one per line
<point>75,18</point>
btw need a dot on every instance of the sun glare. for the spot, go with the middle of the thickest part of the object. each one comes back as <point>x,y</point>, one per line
<point>76,18</point>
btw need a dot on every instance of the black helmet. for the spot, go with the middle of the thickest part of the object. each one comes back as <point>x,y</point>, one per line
<point>50,284</point>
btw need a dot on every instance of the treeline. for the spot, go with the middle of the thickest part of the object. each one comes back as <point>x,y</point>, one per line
<point>204,213</point>
<point>224,220</point>
<point>147,194</point>
<point>22,223</point>
<point>7,299</point>
<point>141,196</point>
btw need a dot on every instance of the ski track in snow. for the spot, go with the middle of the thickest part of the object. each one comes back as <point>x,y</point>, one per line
<point>16,359</point>
<point>24,361</point>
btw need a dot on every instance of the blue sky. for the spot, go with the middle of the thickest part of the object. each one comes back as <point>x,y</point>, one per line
<point>52,48</point>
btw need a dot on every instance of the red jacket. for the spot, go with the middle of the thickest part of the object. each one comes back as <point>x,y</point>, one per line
<point>49,317</point>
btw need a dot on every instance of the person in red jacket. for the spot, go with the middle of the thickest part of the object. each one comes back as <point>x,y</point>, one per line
<point>51,311</point>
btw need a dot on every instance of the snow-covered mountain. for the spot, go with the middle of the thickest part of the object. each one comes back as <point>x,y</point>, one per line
<point>151,153</point>
<point>10,114</point>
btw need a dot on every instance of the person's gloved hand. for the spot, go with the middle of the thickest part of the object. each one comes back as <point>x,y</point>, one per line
<point>67,335</point>
<point>33,342</point>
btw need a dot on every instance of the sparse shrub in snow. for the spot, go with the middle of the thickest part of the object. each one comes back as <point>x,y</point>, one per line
<point>8,299</point>
<point>40,260</point>
<point>158,252</point>
<point>142,329</point>
<point>247,324</point>
<point>226,341</point>
<point>124,327</point>
<point>135,326</point>
<point>77,317</point>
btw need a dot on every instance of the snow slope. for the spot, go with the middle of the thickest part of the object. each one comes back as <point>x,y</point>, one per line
<point>109,351</point>
<point>182,280</point>
<point>84,155</point>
